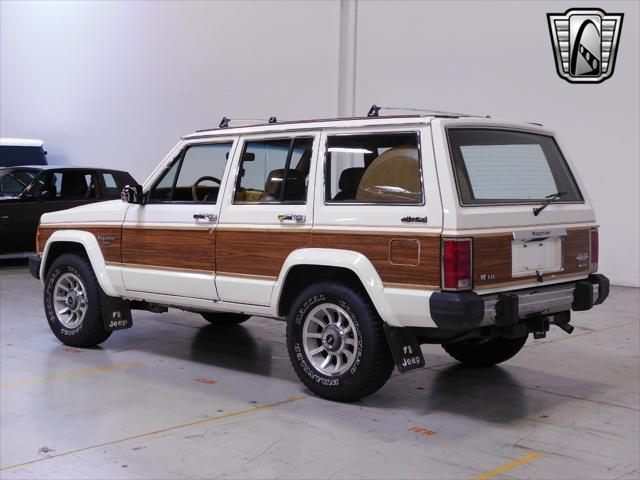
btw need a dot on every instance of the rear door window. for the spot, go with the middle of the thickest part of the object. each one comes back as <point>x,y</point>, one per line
<point>502,166</point>
<point>274,171</point>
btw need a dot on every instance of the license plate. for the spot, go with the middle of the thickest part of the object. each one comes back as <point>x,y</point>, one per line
<point>529,257</point>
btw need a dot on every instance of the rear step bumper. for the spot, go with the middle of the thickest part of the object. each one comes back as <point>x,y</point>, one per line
<point>468,310</point>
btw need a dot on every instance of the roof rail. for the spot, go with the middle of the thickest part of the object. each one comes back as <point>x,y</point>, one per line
<point>374,111</point>
<point>224,123</point>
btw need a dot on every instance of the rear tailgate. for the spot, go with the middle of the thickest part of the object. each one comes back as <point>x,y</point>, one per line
<point>492,176</point>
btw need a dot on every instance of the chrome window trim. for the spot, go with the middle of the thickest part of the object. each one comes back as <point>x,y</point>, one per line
<point>423,193</point>
<point>243,139</point>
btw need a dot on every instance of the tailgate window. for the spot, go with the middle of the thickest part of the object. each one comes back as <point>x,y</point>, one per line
<point>503,166</point>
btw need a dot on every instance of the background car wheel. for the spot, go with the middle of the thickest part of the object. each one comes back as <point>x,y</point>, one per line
<point>485,354</point>
<point>336,342</point>
<point>72,302</point>
<point>225,318</point>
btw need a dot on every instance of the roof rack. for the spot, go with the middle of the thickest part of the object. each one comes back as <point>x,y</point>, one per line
<point>224,123</point>
<point>374,111</point>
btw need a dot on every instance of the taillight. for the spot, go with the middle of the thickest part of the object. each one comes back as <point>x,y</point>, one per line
<point>38,240</point>
<point>594,250</point>
<point>456,263</point>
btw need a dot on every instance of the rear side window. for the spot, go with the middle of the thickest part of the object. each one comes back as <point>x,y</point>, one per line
<point>112,190</point>
<point>66,185</point>
<point>502,166</point>
<point>274,171</point>
<point>373,168</point>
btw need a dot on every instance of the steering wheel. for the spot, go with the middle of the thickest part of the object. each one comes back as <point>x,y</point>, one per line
<point>194,187</point>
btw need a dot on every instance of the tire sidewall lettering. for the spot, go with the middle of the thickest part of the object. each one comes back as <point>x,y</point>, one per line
<point>300,356</point>
<point>49,293</point>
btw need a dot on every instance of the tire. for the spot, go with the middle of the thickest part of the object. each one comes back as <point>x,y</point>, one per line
<point>485,354</point>
<point>358,339</point>
<point>224,318</point>
<point>82,325</point>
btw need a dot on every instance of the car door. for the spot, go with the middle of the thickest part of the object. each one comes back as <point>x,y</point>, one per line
<point>266,214</point>
<point>168,244</point>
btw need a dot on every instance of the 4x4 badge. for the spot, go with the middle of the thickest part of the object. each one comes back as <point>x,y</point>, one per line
<point>585,43</point>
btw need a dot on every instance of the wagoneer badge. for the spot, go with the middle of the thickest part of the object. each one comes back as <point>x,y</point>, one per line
<point>585,43</point>
<point>106,239</point>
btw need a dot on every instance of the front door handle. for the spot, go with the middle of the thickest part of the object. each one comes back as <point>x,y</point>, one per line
<point>291,218</point>
<point>210,217</point>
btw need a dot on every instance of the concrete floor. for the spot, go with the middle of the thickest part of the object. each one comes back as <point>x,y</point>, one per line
<point>174,397</point>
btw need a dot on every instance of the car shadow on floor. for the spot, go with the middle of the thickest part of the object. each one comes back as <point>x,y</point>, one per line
<point>499,394</point>
<point>240,348</point>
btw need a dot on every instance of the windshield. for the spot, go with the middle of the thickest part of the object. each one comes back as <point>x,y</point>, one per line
<point>502,166</point>
<point>14,181</point>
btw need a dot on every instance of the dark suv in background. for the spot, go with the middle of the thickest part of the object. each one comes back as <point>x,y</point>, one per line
<point>26,192</point>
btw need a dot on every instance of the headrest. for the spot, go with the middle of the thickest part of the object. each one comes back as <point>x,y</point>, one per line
<point>295,189</point>
<point>392,176</point>
<point>350,178</point>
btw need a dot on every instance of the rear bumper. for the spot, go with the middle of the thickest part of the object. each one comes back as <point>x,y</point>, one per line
<point>468,310</point>
<point>34,265</point>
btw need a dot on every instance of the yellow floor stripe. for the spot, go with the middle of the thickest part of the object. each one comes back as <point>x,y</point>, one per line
<point>77,373</point>
<point>163,430</point>
<point>508,466</point>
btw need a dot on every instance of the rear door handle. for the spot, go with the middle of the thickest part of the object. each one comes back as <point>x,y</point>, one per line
<point>291,218</point>
<point>210,217</point>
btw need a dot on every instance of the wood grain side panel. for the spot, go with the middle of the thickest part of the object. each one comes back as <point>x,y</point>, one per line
<point>110,245</point>
<point>166,247</point>
<point>576,243</point>
<point>256,252</point>
<point>376,247</point>
<point>492,259</point>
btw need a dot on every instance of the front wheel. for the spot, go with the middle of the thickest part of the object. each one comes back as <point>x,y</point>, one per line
<point>491,352</point>
<point>72,302</point>
<point>336,342</point>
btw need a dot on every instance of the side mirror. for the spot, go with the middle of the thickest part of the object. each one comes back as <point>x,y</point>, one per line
<point>132,194</point>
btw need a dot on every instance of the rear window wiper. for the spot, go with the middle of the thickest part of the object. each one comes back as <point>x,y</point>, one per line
<point>551,198</point>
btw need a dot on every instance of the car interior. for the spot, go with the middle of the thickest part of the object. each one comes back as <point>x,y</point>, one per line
<point>374,168</point>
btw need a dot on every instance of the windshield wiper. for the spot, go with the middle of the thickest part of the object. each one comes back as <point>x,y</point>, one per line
<point>551,198</point>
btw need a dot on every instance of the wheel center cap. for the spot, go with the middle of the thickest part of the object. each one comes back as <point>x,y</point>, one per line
<point>332,338</point>
<point>72,300</point>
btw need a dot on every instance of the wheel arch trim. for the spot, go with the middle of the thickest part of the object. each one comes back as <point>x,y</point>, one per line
<point>357,263</point>
<point>89,242</point>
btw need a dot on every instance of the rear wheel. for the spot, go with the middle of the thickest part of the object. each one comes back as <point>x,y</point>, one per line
<point>225,318</point>
<point>336,342</point>
<point>72,302</point>
<point>491,352</point>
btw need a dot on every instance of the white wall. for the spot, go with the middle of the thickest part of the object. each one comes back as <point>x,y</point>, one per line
<point>495,58</point>
<point>115,83</point>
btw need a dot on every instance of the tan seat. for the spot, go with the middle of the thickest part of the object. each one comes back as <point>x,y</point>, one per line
<point>393,176</point>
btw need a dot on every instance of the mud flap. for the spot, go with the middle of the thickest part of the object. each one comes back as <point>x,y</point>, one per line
<point>116,313</point>
<point>404,348</point>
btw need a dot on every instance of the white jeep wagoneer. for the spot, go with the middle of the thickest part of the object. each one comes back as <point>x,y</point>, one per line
<point>368,236</point>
